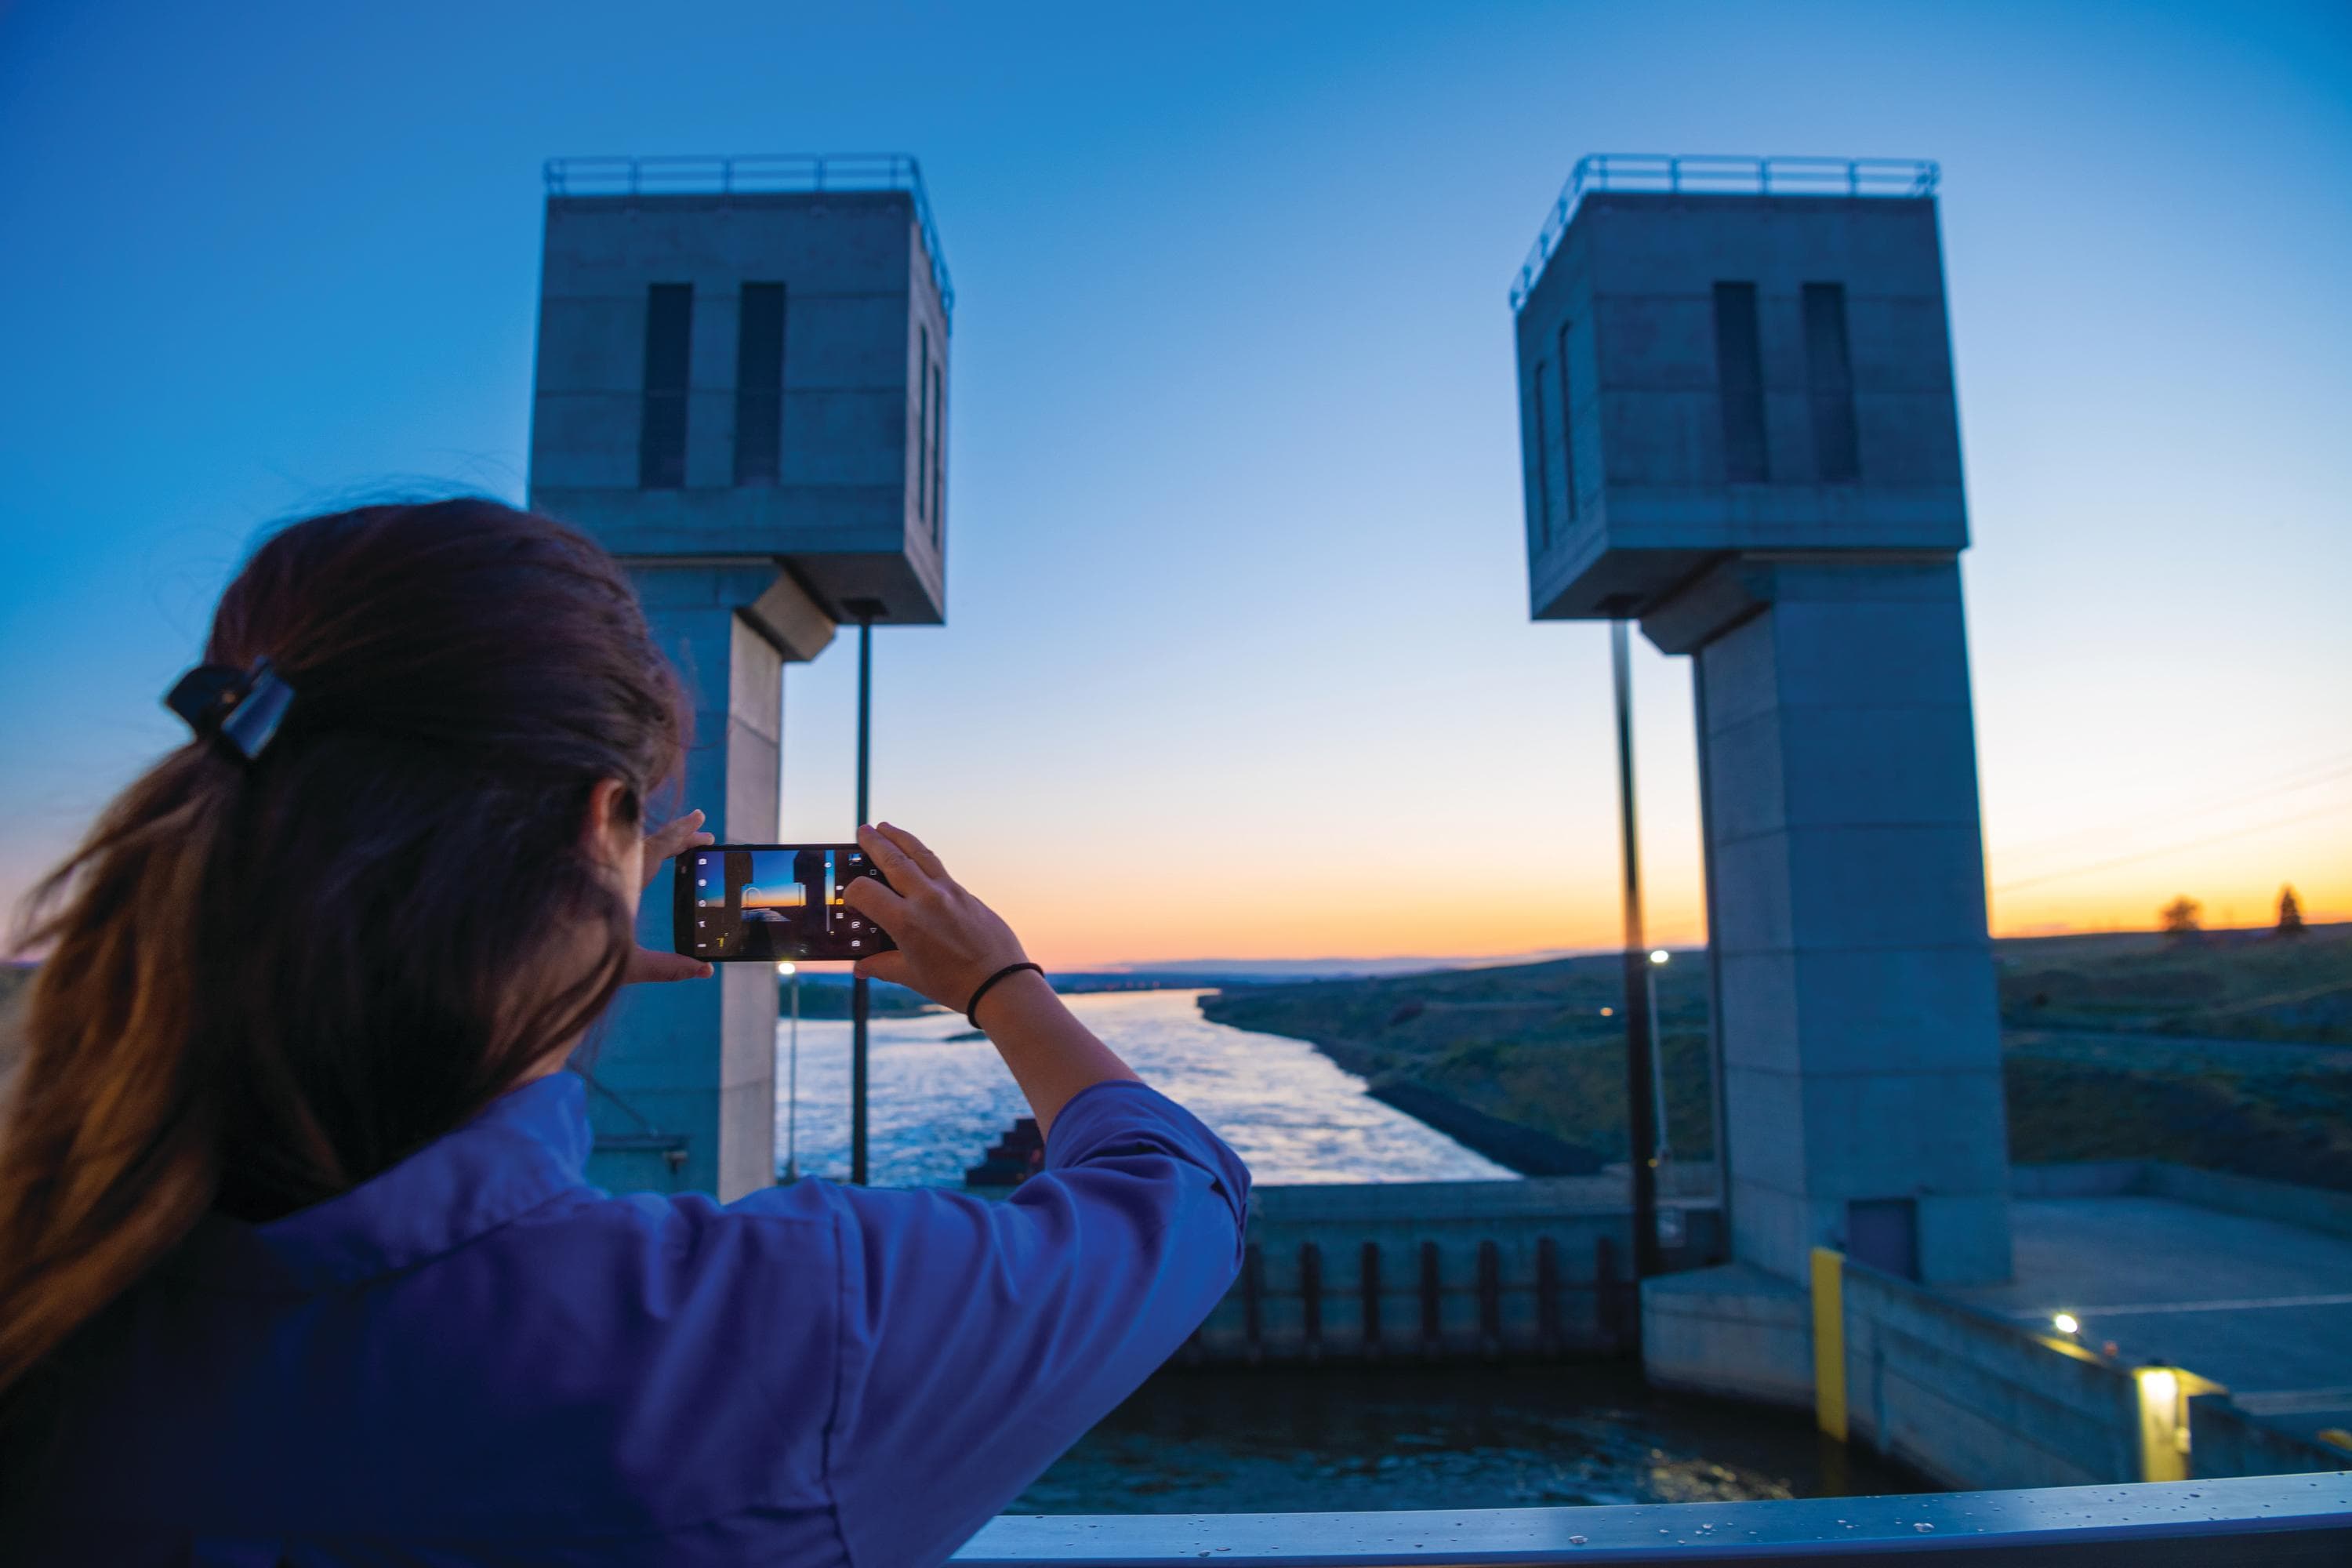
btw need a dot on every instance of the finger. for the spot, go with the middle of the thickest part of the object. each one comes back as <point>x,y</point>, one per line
<point>648,964</point>
<point>675,834</point>
<point>886,966</point>
<point>672,839</point>
<point>875,901</point>
<point>676,831</point>
<point>915,850</point>
<point>896,863</point>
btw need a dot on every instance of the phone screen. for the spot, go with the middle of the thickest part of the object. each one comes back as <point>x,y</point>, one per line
<point>771,902</point>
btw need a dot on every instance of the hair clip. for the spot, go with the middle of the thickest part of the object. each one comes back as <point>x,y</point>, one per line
<point>240,709</point>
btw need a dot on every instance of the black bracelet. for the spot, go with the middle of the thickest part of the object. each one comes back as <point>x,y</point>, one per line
<point>972,1009</point>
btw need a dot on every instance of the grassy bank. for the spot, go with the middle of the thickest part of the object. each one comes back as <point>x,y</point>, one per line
<point>1525,1044</point>
<point>2233,1052</point>
<point>2241,985</point>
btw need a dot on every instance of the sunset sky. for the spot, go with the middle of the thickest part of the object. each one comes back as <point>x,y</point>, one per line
<point>1238,648</point>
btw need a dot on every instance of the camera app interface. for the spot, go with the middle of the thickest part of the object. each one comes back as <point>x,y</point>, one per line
<point>780,903</point>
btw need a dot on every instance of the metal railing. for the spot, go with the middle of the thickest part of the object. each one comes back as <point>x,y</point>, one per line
<point>2247,1520</point>
<point>1707,174</point>
<point>757,173</point>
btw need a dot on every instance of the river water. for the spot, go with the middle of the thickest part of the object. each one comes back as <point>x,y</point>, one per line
<point>935,1103</point>
<point>1324,1440</point>
<point>1348,1438</point>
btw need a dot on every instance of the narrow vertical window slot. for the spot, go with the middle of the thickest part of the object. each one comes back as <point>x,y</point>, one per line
<point>1739,378</point>
<point>760,385</point>
<point>1542,439</point>
<point>1566,430</point>
<point>923,427</point>
<point>1828,377</point>
<point>661,435</point>
<point>939,446</point>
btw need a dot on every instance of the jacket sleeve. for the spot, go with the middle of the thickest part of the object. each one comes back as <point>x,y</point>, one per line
<point>979,1339</point>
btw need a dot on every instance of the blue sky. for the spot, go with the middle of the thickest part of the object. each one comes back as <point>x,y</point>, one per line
<point>1235,567</point>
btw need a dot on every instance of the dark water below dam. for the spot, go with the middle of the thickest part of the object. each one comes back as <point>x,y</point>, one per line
<point>1351,1439</point>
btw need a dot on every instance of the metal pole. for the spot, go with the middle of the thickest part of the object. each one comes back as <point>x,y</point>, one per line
<point>1641,1135</point>
<point>1714,970</point>
<point>858,988</point>
<point>1658,1068</point>
<point>793,1090</point>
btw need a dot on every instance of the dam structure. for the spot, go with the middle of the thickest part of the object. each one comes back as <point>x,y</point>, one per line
<point>742,393</point>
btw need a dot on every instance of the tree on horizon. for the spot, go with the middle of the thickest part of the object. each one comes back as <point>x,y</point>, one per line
<point>2181,916</point>
<point>2290,921</point>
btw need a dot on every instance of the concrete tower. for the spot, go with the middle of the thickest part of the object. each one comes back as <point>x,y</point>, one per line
<point>741,392</point>
<point>1739,429</point>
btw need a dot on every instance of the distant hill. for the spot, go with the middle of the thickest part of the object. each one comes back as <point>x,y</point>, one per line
<point>2231,1050</point>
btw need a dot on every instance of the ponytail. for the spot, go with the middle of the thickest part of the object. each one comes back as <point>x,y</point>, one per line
<point>110,1155</point>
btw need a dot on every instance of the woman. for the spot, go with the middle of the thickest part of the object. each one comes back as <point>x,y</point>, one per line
<point>297,1262</point>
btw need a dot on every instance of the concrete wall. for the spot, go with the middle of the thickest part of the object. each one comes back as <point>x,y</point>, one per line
<point>1976,1402</point>
<point>1733,1332</point>
<point>1632,283</point>
<point>2226,1441</point>
<point>1490,1297</point>
<point>2312,1208</point>
<point>860,302</point>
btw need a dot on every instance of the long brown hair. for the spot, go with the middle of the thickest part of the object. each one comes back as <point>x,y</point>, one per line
<point>265,982</point>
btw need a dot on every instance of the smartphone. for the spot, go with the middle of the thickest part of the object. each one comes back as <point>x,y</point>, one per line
<point>755,902</point>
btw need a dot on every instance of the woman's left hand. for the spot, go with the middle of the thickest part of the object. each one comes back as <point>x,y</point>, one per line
<point>671,838</point>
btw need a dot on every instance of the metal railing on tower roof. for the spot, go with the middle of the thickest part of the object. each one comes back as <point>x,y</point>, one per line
<point>757,173</point>
<point>1708,174</point>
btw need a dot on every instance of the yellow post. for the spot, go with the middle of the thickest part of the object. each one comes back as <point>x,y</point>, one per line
<point>1829,1341</point>
<point>2164,1395</point>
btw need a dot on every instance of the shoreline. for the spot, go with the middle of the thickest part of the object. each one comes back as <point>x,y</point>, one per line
<point>1523,1149</point>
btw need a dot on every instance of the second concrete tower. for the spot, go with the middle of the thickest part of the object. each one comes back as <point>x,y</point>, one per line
<point>1740,429</point>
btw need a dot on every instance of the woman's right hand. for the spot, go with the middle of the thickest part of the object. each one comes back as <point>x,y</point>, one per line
<point>948,941</point>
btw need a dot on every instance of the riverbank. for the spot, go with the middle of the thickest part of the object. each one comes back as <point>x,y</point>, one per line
<point>2231,1052</point>
<point>1524,1063</point>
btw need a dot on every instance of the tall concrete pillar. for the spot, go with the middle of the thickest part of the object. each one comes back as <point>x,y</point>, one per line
<point>1739,428</point>
<point>741,392</point>
<point>1859,1032</point>
<point>658,1081</point>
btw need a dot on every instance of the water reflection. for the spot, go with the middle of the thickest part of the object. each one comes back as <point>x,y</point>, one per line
<point>935,1103</point>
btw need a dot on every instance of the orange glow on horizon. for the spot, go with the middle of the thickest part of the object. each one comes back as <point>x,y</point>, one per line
<point>1186,922</point>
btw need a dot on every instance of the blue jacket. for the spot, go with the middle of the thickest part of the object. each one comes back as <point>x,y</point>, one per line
<point>477,1358</point>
